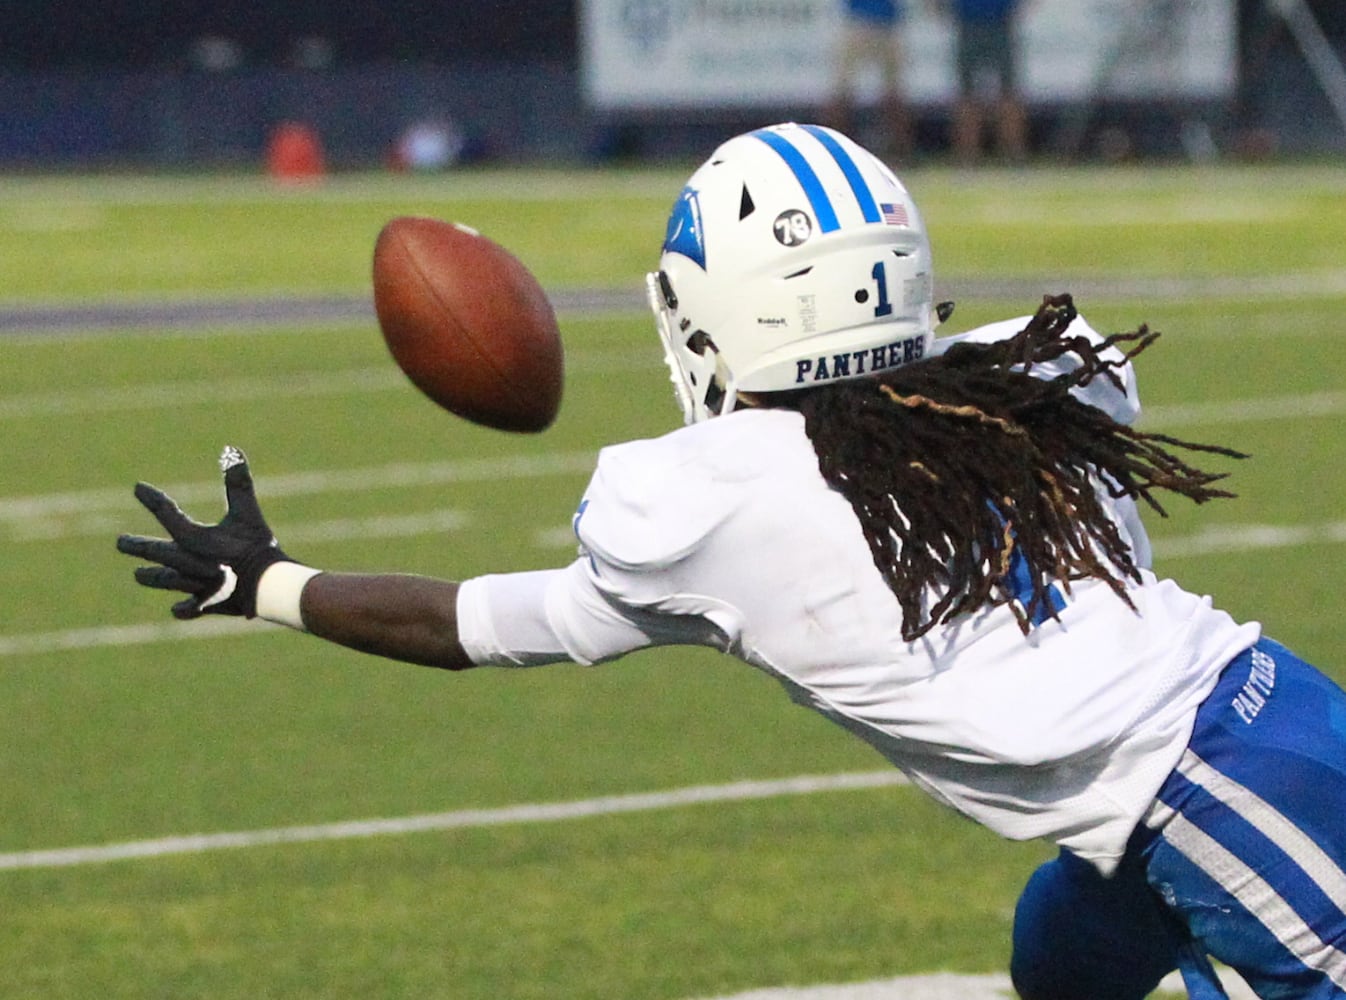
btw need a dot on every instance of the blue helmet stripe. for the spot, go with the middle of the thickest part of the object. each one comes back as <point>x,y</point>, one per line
<point>869,208</point>
<point>808,180</point>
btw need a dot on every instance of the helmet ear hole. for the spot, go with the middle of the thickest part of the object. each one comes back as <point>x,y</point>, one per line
<point>699,341</point>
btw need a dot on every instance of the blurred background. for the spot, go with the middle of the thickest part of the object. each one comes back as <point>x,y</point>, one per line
<point>174,84</point>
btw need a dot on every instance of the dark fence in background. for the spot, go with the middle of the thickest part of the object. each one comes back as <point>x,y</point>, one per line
<point>184,83</point>
<point>507,111</point>
<point>151,34</point>
<point>525,112</point>
<point>169,83</point>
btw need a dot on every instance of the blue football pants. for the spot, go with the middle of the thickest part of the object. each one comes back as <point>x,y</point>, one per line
<point>1242,857</point>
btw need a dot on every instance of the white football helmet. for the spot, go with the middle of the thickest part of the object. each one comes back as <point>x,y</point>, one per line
<point>793,258</point>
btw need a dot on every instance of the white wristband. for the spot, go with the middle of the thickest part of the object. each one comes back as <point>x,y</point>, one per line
<point>278,593</point>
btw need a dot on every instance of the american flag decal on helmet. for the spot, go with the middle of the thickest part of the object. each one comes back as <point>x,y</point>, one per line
<point>894,215</point>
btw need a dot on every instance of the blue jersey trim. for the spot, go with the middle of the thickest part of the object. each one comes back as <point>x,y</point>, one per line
<point>1237,835</point>
<point>869,207</point>
<point>808,180</point>
<point>1020,580</point>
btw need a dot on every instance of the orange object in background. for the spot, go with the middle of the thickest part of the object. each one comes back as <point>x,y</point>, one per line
<point>294,153</point>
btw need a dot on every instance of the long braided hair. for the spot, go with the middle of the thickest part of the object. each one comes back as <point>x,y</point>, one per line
<point>954,465</point>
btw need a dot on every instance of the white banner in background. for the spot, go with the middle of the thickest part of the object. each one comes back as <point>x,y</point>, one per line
<point>745,53</point>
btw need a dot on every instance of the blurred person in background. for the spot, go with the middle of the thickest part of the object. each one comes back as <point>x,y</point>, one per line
<point>988,100</point>
<point>871,40</point>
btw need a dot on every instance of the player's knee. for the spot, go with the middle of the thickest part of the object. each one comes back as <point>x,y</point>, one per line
<point>1035,966</point>
<point>1061,978</point>
<point>1078,936</point>
<point>1036,983</point>
<point>1035,973</point>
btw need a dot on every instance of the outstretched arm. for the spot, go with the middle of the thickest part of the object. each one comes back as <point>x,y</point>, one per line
<point>409,618</point>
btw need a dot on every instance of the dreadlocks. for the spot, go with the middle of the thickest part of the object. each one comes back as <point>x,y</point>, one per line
<point>959,465</point>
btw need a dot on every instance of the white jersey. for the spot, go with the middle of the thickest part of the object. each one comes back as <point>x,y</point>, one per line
<point>724,533</point>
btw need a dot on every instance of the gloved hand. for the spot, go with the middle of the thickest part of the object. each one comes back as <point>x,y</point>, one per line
<point>219,565</point>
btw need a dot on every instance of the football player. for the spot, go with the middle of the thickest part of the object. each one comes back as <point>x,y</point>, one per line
<point>932,542</point>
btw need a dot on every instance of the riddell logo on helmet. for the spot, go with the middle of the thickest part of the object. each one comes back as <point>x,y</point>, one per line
<point>868,361</point>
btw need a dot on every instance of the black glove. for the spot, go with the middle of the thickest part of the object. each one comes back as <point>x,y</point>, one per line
<point>219,565</point>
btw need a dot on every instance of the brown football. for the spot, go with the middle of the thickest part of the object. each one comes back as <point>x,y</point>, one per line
<point>468,323</point>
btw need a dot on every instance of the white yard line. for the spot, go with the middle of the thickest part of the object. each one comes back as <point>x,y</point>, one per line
<point>219,390</point>
<point>394,475</point>
<point>932,986</point>
<point>350,381</point>
<point>440,521</point>
<point>935,986</point>
<point>145,633</point>
<point>1248,538</point>
<point>84,502</point>
<point>542,812</point>
<point>952,986</point>
<point>1300,405</point>
<point>1232,538</point>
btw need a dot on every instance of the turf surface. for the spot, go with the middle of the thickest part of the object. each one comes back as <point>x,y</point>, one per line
<point>115,726</point>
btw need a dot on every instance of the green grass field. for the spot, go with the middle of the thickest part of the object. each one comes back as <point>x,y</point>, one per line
<point>118,725</point>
